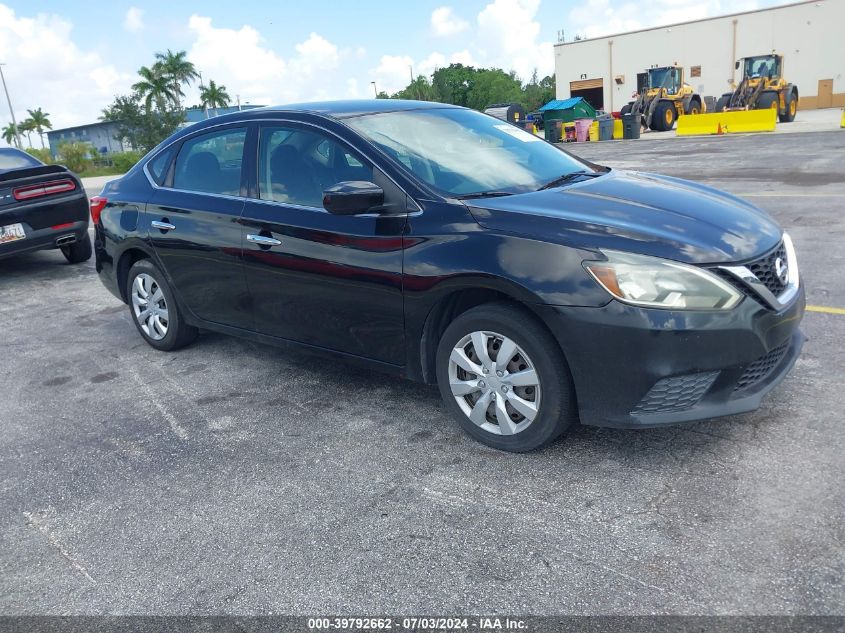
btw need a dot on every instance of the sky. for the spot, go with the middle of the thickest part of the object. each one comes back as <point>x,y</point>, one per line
<point>72,58</point>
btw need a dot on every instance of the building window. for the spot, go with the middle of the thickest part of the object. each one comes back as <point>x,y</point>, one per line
<point>695,71</point>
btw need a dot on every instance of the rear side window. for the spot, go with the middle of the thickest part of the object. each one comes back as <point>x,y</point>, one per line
<point>158,165</point>
<point>211,163</point>
<point>11,158</point>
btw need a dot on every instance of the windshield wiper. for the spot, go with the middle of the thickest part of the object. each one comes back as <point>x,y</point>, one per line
<point>484,194</point>
<point>562,180</point>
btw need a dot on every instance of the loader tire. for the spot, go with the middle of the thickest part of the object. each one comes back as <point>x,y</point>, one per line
<point>626,109</point>
<point>664,117</point>
<point>767,100</point>
<point>790,110</point>
<point>723,102</point>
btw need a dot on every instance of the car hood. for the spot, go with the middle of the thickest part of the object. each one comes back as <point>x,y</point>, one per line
<point>639,213</point>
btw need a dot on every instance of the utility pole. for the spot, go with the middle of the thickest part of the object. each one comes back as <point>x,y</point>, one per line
<point>11,110</point>
<point>239,102</point>
<point>205,105</point>
<point>375,90</point>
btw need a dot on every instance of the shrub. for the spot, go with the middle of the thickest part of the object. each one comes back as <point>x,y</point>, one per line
<point>124,161</point>
<point>41,154</point>
<point>75,156</point>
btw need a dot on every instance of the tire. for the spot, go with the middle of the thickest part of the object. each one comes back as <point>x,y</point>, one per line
<point>625,109</point>
<point>664,117</point>
<point>502,324</point>
<point>164,329</point>
<point>78,252</point>
<point>722,103</point>
<point>767,100</point>
<point>791,109</point>
<point>694,107</point>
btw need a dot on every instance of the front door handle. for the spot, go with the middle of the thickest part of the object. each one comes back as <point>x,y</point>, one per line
<point>164,226</point>
<point>263,240</point>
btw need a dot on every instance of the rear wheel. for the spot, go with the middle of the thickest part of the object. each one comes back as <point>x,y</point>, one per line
<point>504,378</point>
<point>694,107</point>
<point>664,117</point>
<point>154,308</point>
<point>79,251</point>
<point>791,108</point>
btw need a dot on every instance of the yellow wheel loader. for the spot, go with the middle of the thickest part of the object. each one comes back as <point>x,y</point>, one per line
<point>666,99</point>
<point>762,86</point>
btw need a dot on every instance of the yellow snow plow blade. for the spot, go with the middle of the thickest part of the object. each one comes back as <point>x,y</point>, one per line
<point>738,122</point>
<point>842,122</point>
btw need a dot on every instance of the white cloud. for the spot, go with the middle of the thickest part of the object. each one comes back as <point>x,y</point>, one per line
<point>393,73</point>
<point>45,69</point>
<point>508,38</point>
<point>444,23</point>
<point>134,20</point>
<point>595,18</point>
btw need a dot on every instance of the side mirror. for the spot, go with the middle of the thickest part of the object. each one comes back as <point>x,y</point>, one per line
<point>736,65</point>
<point>352,197</point>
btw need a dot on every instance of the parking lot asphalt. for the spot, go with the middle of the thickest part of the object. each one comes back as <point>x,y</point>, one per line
<point>234,478</point>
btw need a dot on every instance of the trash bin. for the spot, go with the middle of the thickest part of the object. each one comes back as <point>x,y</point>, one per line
<point>631,126</point>
<point>618,129</point>
<point>582,129</point>
<point>606,128</point>
<point>594,132</point>
<point>554,131</point>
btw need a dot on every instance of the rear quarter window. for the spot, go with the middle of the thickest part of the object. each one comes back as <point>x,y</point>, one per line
<point>159,165</point>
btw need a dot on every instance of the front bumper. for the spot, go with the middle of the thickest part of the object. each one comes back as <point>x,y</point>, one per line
<point>636,367</point>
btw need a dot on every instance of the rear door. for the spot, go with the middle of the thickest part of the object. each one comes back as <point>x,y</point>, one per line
<point>325,280</point>
<point>193,225</point>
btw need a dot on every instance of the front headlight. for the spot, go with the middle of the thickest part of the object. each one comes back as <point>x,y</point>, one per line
<point>660,283</point>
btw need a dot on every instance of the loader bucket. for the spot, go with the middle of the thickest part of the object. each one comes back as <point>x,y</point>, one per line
<point>738,122</point>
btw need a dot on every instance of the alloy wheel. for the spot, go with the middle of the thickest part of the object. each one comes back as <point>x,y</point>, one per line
<point>494,382</point>
<point>149,306</point>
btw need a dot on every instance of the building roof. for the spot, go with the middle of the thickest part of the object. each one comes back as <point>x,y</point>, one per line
<point>561,104</point>
<point>195,115</point>
<point>673,25</point>
<point>83,127</point>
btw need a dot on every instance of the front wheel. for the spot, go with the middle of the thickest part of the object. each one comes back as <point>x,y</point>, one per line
<point>504,378</point>
<point>154,310</point>
<point>79,251</point>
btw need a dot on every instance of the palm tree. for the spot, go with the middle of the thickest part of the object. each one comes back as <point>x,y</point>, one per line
<point>40,122</point>
<point>214,96</point>
<point>10,135</point>
<point>155,87</point>
<point>27,126</point>
<point>177,69</point>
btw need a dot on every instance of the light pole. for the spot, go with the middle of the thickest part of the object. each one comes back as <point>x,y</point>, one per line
<point>11,110</point>
<point>205,105</point>
<point>375,90</point>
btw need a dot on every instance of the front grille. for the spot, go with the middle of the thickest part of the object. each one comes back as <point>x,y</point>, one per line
<point>761,368</point>
<point>677,393</point>
<point>764,269</point>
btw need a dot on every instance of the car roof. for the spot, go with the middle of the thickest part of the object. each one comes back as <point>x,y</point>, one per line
<point>357,107</point>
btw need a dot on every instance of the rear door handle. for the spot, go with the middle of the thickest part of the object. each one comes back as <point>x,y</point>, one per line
<point>263,240</point>
<point>164,226</point>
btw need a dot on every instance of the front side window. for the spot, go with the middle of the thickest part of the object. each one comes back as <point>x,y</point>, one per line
<point>461,152</point>
<point>211,163</point>
<point>296,165</point>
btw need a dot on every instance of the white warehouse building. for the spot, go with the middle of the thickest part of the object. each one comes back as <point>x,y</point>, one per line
<point>606,71</point>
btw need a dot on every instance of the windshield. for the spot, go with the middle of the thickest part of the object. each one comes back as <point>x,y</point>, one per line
<point>11,158</point>
<point>461,152</point>
<point>664,78</point>
<point>765,66</point>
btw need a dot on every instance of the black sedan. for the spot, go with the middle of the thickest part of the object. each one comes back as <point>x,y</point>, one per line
<point>41,206</point>
<point>448,246</point>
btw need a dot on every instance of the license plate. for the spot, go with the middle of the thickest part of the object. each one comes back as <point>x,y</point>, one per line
<point>11,233</point>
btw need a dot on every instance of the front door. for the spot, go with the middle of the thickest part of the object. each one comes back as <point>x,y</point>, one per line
<point>194,230</point>
<point>325,280</point>
<point>825,99</point>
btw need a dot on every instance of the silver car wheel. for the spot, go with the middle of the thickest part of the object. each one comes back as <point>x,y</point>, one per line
<point>149,306</point>
<point>494,382</point>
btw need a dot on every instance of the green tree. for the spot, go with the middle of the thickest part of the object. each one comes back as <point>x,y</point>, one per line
<point>419,89</point>
<point>453,83</point>
<point>214,96</point>
<point>10,133</point>
<point>41,121</point>
<point>155,87</point>
<point>178,70</point>
<point>41,154</point>
<point>139,127</point>
<point>491,86</point>
<point>27,126</point>
<point>75,156</point>
<point>538,93</point>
